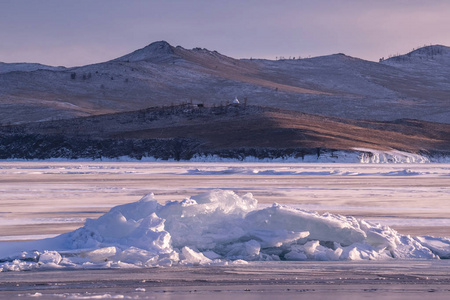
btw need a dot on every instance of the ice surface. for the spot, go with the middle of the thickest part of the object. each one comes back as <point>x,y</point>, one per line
<point>302,171</point>
<point>216,227</point>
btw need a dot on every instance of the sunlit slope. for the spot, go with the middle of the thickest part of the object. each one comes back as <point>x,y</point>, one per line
<point>234,127</point>
<point>160,74</point>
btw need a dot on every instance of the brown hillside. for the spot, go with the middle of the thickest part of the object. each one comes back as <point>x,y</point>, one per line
<point>229,127</point>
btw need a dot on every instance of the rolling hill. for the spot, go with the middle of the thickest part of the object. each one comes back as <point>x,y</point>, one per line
<point>183,131</point>
<point>415,86</point>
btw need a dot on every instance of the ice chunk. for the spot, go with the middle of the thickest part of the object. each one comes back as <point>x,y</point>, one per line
<point>295,254</point>
<point>194,257</point>
<point>363,251</point>
<point>282,220</point>
<point>212,255</point>
<point>215,227</point>
<point>313,250</point>
<point>439,246</point>
<point>134,255</point>
<point>408,247</point>
<point>379,236</point>
<point>99,255</point>
<point>50,257</point>
<point>226,201</point>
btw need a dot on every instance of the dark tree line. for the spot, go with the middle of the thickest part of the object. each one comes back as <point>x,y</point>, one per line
<point>36,146</point>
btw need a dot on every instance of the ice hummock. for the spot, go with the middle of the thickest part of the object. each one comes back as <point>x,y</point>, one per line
<point>216,227</point>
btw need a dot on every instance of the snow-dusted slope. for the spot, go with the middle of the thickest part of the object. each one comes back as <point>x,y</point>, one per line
<point>155,52</point>
<point>435,54</point>
<point>160,74</point>
<point>427,80</point>
<point>25,67</point>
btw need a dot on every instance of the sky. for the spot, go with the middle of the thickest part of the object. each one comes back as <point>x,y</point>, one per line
<point>80,32</point>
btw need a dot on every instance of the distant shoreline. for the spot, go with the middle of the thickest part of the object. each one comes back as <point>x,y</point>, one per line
<point>367,156</point>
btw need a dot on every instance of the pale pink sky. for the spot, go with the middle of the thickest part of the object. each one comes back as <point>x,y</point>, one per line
<point>79,32</point>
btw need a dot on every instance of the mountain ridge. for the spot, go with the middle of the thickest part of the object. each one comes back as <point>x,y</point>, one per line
<point>160,74</point>
<point>26,67</point>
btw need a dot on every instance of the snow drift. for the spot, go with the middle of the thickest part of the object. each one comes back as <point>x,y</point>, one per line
<point>217,227</point>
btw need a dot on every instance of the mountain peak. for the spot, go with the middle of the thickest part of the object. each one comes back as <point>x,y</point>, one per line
<point>432,52</point>
<point>155,52</point>
<point>161,47</point>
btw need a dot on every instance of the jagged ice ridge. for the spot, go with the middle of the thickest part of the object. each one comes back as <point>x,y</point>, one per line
<point>216,227</point>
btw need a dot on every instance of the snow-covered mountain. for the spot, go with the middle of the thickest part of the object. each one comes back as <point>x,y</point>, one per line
<point>414,86</point>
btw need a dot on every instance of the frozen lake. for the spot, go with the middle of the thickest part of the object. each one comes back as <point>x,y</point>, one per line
<point>416,280</point>
<point>41,199</point>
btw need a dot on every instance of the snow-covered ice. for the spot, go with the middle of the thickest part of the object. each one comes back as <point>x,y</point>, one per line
<point>215,227</point>
<point>356,155</point>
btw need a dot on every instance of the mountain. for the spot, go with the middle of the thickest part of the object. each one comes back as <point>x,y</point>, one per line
<point>161,75</point>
